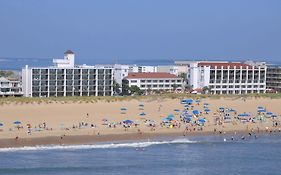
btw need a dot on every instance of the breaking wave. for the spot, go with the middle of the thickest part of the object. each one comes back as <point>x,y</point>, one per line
<point>97,146</point>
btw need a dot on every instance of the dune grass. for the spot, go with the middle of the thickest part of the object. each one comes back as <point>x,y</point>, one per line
<point>94,99</point>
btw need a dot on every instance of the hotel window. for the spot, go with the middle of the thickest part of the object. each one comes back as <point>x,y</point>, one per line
<point>167,85</point>
<point>167,81</point>
<point>142,86</point>
<point>133,81</point>
<point>161,81</point>
<point>155,81</point>
<point>69,71</point>
<point>173,81</point>
<point>142,81</point>
<point>148,81</point>
<point>154,85</point>
<point>237,86</point>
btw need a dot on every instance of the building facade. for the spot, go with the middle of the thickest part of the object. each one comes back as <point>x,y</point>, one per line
<point>10,87</point>
<point>65,79</point>
<point>273,78</point>
<point>168,69</point>
<point>228,77</point>
<point>154,81</point>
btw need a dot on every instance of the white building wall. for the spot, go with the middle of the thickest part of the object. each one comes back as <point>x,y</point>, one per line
<point>169,69</point>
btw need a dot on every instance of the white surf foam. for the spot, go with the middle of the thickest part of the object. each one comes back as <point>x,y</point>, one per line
<point>97,146</point>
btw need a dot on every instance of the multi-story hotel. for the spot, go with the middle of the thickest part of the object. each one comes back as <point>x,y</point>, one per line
<point>228,77</point>
<point>10,87</point>
<point>273,78</point>
<point>154,81</point>
<point>66,79</point>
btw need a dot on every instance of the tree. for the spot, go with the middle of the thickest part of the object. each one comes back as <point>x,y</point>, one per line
<point>206,89</point>
<point>135,90</point>
<point>183,75</point>
<point>4,73</point>
<point>125,87</point>
<point>116,87</point>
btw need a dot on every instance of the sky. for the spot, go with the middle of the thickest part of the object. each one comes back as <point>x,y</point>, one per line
<point>115,30</point>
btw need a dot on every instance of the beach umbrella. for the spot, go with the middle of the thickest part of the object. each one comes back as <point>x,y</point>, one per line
<point>221,108</point>
<point>142,114</point>
<point>231,110</point>
<point>171,116</point>
<point>177,110</point>
<point>195,112</point>
<point>165,120</point>
<point>244,115</point>
<point>141,105</point>
<point>261,110</point>
<point>207,110</point>
<point>1,124</point>
<point>206,104</point>
<point>128,121</point>
<point>187,101</point>
<point>269,113</point>
<point>123,109</point>
<point>202,120</point>
<point>273,116</point>
<point>197,101</point>
<point>260,107</point>
<point>17,122</point>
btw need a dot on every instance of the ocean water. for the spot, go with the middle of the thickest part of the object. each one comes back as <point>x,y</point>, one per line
<point>19,63</point>
<point>183,156</point>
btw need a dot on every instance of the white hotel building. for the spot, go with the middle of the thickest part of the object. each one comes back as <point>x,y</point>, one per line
<point>66,79</point>
<point>228,77</point>
<point>10,87</point>
<point>154,81</point>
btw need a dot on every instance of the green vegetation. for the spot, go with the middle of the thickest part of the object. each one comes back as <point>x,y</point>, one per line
<point>6,73</point>
<point>93,99</point>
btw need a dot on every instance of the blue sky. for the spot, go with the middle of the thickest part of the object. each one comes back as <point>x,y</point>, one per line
<point>141,29</point>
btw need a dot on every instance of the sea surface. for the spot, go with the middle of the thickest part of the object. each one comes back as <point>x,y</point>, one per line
<point>190,155</point>
<point>19,63</point>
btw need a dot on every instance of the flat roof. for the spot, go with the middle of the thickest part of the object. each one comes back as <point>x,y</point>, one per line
<point>150,75</point>
<point>225,65</point>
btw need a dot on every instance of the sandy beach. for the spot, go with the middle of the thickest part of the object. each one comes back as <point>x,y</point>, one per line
<point>78,123</point>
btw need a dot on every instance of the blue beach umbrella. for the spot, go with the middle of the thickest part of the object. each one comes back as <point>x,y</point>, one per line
<point>244,115</point>
<point>17,122</point>
<point>207,110</point>
<point>123,109</point>
<point>195,112</point>
<point>1,124</point>
<point>128,121</point>
<point>197,101</point>
<point>261,110</point>
<point>142,114</point>
<point>171,117</point>
<point>177,110</point>
<point>202,120</point>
